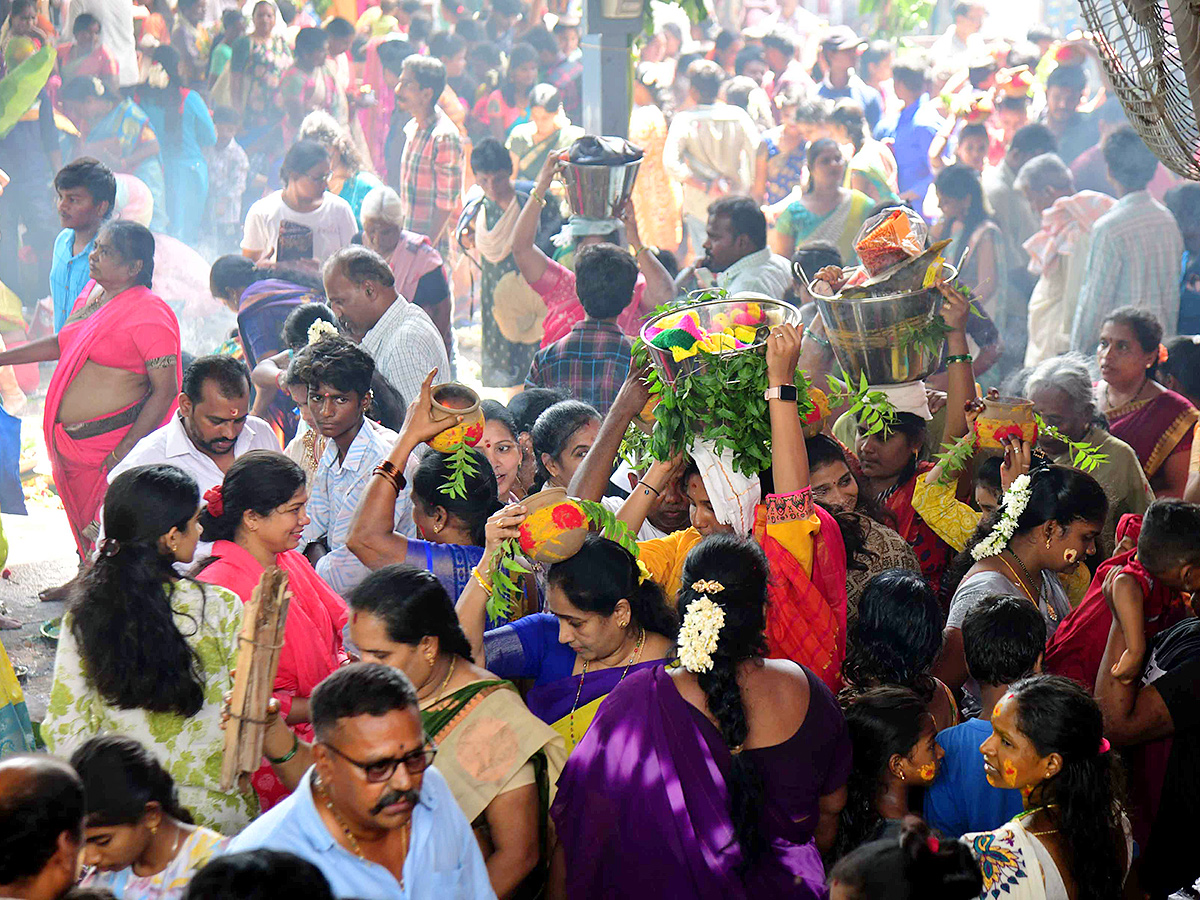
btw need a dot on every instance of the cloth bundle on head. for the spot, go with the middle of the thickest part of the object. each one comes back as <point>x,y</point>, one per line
<point>732,494</point>
<point>906,398</point>
<point>579,226</point>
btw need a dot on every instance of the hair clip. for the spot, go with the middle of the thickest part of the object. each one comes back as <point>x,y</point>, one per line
<point>707,587</point>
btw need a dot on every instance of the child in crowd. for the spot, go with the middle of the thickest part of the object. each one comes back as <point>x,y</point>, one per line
<point>1168,551</point>
<point>918,865</point>
<point>338,376</point>
<point>1003,639</point>
<point>228,168</point>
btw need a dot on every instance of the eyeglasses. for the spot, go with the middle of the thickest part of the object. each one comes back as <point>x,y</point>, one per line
<point>382,770</point>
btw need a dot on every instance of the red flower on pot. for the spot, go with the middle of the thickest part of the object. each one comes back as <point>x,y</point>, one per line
<point>568,515</point>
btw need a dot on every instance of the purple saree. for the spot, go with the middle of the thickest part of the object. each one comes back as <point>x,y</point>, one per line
<point>642,808</point>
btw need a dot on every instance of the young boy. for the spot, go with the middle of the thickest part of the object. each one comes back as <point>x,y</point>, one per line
<point>87,190</point>
<point>1167,552</point>
<point>1003,639</point>
<point>338,376</point>
<point>228,167</point>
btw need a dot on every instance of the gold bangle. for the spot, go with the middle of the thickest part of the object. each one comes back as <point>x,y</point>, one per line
<point>487,588</point>
<point>534,195</point>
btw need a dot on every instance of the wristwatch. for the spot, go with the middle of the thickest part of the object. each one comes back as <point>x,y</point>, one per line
<point>782,392</point>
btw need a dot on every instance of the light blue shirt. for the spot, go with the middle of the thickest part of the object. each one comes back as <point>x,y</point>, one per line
<point>443,863</point>
<point>68,274</point>
<point>336,490</point>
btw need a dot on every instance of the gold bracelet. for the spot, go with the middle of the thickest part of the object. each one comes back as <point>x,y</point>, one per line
<point>487,588</point>
<point>535,195</point>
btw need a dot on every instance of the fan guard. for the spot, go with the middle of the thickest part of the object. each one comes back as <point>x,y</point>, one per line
<point>1151,51</point>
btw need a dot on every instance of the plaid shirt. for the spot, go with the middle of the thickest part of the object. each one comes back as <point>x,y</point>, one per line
<point>567,76</point>
<point>591,362</point>
<point>431,171</point>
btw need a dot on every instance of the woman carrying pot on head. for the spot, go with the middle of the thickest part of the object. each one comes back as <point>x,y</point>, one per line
<point>501,761</point>
<point>1048,523</point>
<point>1155,422</point>
<point>131,605</point>
<point>721,777</point>
<point>806,621</point>
<point>450,525</point>
<point>604,620</point>
<point>140,842</point>
<point>1072,842</point>
<point>836,487</point>
<point>255,519</point>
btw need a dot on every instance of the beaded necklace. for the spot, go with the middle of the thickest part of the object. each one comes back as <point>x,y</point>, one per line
<point>633,658</point>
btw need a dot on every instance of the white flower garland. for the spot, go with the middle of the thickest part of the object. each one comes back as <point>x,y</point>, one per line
<point>1014,503</point>
<point>319,329</point>
<point>698,635</point>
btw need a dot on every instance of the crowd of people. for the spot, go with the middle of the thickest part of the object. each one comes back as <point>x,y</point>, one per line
<point>873,670</point>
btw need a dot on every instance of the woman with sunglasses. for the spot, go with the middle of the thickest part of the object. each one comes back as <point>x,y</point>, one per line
<point>303,221</point>
<point>498,758</point>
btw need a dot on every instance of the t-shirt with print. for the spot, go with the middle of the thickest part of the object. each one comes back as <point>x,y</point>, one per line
<point>1170,862</point>
<point>288,235</point>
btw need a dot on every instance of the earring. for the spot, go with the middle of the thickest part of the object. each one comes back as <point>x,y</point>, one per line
<point>153,830</point>
<point>1070,555</point>
<point>1047,542</point>
<point>437,529</point>
<point>902,775</point>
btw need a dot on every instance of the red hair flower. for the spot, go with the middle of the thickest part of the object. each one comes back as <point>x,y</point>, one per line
<point>216,503</point>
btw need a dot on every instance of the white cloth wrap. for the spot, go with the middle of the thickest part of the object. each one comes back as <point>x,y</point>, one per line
<point>732,494</point>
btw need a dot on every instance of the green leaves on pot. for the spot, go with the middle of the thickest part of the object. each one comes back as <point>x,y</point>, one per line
<point>508,570</point>
<point>635,447</point>
<point>461,464</point>
<point>609,525</point>
<point>1085,457</point>
<point>872,409</point>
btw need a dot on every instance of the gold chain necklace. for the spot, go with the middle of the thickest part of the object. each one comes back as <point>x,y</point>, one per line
<point>446,680</point>
<point>1017,578</point>
<point>633,659</point>
<point>351,839</point>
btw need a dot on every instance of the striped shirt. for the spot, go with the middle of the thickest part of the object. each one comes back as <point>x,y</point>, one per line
<point>336,490</point>
<point>431,171</point>
<point>1134,259</point>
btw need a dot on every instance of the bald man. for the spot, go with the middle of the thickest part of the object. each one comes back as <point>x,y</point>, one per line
<point>41,827</point>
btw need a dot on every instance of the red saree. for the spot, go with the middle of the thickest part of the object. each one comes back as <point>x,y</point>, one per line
<point>806,616</point>
<point>1155,428</point>
<point>312,635</point>
<point>933,554</point>
<point>135,331</point>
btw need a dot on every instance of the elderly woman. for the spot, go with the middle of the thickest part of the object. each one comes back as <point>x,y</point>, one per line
<point>1061,391</point>
<point>416,263</point>
<point>1155,421</point>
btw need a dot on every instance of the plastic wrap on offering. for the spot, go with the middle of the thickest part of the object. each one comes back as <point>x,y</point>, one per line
<point>886,240</point>
<point>590,150</point>
<point>915,274</point>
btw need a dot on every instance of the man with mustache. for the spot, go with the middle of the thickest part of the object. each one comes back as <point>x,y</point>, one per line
<point>398,334</point>
<point>371,814</point>
<point>211,429</point>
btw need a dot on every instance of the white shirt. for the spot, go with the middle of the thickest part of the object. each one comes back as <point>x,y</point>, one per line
<point>336,489</point>
<point>170,444</point>
<point>287,235</point>
<point>762,271</point>
<point>709,142</point>
<point>405,345</point>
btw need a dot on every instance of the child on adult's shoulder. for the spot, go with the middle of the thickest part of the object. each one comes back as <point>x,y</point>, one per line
<point>1168,551</point>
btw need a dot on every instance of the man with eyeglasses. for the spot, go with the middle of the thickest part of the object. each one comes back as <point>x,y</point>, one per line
<point>371,814</point>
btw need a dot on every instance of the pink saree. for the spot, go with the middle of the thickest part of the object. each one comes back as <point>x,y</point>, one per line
<point>135,331</point>
<point>312,635</point>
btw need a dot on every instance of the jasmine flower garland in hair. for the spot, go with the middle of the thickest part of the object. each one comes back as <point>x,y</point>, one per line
<point>698,635</point>
<point>1013,505</point>
<point>319,329</point>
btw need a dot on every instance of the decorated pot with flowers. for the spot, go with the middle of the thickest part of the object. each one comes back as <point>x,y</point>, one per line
<point>813,422</point>
<point>554,528</point>
<point>1005,417</point>
<point>449,401</point>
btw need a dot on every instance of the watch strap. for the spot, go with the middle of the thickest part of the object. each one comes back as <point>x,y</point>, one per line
<point>786,392</point>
